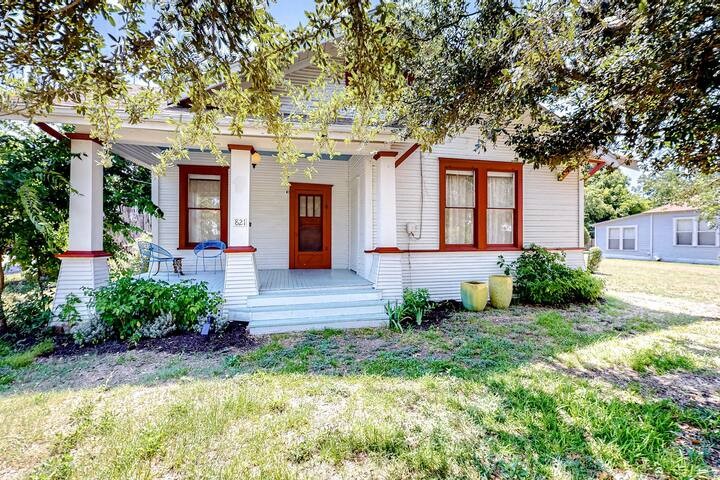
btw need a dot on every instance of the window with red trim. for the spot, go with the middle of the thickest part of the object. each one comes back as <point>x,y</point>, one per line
<point>480,205</point>
<point>203,204</point>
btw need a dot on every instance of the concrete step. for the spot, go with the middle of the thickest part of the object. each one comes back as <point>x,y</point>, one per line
<point>315,310</point>
<point>298,324</point>
<point>312,296</point>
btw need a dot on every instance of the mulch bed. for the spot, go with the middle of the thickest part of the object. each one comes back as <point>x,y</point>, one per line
<point>441,311</point>
<point>235,337</point>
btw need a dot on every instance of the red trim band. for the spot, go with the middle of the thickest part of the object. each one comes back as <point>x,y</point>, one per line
<point>247,148</point>
<point>384,250</point>
<point>599,164</point>
<point>82,136</point>
<point>83,254</point>
<point>468,250</point>
<point>384,153</point>
<point>246,249</point>
<point>50,131</point>
<point>405,155</point>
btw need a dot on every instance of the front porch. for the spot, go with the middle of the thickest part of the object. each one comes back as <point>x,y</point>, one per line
<point>316,253</point>
<point>292,300</point>
<point>273,280</point>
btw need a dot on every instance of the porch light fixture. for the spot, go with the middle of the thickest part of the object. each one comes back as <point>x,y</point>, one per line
<point>255,159</point>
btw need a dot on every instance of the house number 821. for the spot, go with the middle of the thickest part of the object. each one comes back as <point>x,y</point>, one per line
<point>240,222</point>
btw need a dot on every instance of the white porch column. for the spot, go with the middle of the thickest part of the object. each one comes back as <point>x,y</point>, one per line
<point>240,272</point>
<point>84,264</point>
<point>387,267</point>
<point>385,206</point>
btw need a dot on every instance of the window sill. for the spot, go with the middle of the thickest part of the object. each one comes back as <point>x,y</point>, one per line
<point>492,248</point>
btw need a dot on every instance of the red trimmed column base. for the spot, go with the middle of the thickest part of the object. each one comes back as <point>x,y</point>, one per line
<point>83,254</point>
<point>245,249</point>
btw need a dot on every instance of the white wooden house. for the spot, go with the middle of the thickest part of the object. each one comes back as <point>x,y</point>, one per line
<point>328,251</point>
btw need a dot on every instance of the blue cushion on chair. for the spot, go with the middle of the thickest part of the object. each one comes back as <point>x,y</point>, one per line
<point>210,248</point>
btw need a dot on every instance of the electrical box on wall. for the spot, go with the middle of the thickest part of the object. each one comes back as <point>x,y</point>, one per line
<point>411,229</point>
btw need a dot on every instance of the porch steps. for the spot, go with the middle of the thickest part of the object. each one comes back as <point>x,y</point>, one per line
<point>312,309</point>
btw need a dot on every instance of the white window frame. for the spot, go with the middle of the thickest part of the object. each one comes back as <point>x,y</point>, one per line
<point>622,238</point>
<point>695,222</point>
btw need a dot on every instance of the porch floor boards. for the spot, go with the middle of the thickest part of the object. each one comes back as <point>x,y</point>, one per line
<point>304,279</point>
<point>272,280</point>
<point>215,279</point>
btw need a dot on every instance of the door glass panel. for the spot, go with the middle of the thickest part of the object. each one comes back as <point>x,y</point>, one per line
<point>310,232</point>
<point>310,238</point>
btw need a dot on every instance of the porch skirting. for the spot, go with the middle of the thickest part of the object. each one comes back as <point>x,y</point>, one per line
<point>241,278</point>
<point>77,272</point>
<point>386,274</point>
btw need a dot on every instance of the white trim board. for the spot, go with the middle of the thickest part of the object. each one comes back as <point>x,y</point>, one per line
<point>695,230</point>
<point>622,229</point>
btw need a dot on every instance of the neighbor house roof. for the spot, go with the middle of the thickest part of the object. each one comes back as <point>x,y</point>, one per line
<point>669,208</point>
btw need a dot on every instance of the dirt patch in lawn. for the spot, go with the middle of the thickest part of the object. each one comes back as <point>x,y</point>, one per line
<point>440,311</point>
<point>688,389</point>
<point>661,305</point>
<point>235,337</point>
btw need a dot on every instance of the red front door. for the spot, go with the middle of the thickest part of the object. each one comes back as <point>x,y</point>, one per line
<point>310,214</point>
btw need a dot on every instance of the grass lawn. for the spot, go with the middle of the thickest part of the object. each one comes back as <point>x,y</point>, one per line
<point>597,391</point>
<point>677,280</point>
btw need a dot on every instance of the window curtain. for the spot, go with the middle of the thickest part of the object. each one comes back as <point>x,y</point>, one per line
<point>613,238</point>
<point>460,205</point>
<point>684,231</point>
<point>203,193</point>
<point>706,235</point>
<point>501,208</point>
<point>204,209</point>
<point>628,239</point>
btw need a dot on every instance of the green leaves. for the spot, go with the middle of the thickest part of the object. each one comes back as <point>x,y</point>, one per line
<point>129,303</point>
<point>34,198</point>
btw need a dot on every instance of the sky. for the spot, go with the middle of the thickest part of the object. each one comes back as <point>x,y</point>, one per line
<point>291,12</point>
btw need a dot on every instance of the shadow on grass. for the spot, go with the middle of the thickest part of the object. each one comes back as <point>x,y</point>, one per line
<point>528,422</point>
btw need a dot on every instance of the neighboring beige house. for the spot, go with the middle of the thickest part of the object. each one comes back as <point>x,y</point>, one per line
<point>332,250</point>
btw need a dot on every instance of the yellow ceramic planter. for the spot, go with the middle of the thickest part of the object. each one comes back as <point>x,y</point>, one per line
<point>501,288</point>
<point>474,295</point>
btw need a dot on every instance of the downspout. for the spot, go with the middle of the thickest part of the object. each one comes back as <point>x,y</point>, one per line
<point>652,235</point>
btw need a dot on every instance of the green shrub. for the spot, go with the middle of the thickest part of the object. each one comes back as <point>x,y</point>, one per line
<point>542,277</point>
<point>128,304</point>
<point>32,315</point>
<point>594,258</point>
<point>91,331</point>
<point>415,303</point>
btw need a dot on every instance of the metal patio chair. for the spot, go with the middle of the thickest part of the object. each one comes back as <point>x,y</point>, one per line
<point>153,253</point>
<point>211,250</point>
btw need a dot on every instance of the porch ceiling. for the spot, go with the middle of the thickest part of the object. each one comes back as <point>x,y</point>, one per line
<point>147,154</point>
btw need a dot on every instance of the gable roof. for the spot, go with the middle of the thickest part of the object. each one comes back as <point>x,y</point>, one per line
<point>669,208</point>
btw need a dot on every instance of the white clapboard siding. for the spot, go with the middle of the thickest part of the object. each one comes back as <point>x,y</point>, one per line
<point>241,279</point>
<point>168,198</point>
<point>442,273</point>
<point>77,274</point>
<point>551,208</point>
<point>269,211</point>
